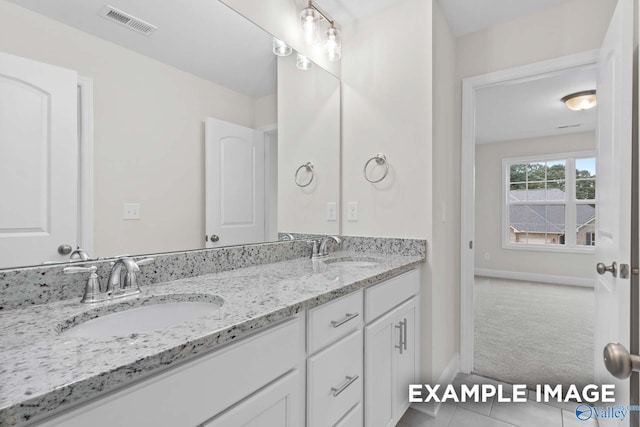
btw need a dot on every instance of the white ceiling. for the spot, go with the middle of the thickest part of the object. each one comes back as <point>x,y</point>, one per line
<point>202,37</point>
<point>533,108</point>
<point>467,16</point>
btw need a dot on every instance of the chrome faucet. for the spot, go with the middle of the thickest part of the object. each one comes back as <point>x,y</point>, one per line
<point>122,280</point>
<point>322,251</point>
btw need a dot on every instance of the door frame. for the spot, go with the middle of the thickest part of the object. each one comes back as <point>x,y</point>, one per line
<point>270,199</point>
<point>467,194</point>
<point>85,163</point>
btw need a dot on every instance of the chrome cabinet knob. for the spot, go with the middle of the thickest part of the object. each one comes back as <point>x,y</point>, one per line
<point>64,249</point>
<point>601,268</point>
<point>214,238</point>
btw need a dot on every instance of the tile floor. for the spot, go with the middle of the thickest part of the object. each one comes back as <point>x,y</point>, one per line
<point>494,414</point>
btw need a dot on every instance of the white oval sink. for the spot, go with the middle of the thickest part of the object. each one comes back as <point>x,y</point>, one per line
<point>135,320</point>
<point>352,262</point>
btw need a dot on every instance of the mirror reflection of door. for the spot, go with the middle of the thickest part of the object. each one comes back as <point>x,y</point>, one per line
<point>38,161</point>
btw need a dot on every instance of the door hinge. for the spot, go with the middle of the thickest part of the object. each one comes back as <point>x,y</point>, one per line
<point>470,244</point>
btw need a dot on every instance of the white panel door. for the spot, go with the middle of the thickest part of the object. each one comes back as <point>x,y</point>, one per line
<point>234,184</point>
<point>38,161</point>
<point>613,225</point>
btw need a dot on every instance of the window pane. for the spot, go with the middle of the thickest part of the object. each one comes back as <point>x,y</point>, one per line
<point>586,168</point>
<point>536,171</point>
<point>555,190</point>
<point>536,191</point>
<point>518,173</point>
<point>585,225</point>
<point>586,189</point>
<point>556,170</point>
<point>517,193</point>
<point>518,223</point>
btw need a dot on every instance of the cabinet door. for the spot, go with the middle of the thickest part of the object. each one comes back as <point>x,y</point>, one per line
<point>380,338</point>
<point>407,316</point>
<point>277,405</point>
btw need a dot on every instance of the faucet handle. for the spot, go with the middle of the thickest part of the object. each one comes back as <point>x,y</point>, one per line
<point>92,289</point>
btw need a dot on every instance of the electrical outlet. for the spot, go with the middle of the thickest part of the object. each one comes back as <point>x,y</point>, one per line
<point>332,211</point>
<point>131,211</point>
<point>352,211</point>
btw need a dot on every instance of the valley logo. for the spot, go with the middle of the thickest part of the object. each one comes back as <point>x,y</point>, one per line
<point>583,412</point>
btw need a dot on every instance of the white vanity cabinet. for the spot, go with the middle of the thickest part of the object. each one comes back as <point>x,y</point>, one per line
<point>391,348</point>
<point>255,382</point>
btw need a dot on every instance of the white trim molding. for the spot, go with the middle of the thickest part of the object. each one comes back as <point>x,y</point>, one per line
<point>446,377</point>
<point>535,277</point>
<point>85,176</point>
<point>467,194</point>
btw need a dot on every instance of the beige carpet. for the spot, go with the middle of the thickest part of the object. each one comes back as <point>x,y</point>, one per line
<point>533,333</point>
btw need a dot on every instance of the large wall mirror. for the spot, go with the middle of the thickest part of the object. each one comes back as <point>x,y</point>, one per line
<point>192,132</point>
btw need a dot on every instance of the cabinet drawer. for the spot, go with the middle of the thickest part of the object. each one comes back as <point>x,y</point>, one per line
<point>334,381</point>
<point>334,320</point>
<point>196,391</point>
<point>383,297</point>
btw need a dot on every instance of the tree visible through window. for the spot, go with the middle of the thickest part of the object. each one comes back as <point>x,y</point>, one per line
<point>550,202</point>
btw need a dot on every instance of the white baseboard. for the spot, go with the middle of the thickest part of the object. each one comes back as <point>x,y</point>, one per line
<point>535,277</point>
<point>446,377</point>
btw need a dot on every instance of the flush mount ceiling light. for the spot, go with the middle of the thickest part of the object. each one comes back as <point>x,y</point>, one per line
<point>310,17</point>
<point>581,100</point>
<point>303,63</point>
<point>280,48</point>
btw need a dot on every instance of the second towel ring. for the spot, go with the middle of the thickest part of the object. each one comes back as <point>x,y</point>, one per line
<point>380,159</point>
<point>309,168</point>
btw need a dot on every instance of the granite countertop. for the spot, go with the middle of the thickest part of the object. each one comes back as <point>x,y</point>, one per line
<point>42,371</point>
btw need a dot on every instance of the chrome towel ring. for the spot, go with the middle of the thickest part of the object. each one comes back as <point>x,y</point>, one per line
<point>381,160</point>
<point>309,168</point>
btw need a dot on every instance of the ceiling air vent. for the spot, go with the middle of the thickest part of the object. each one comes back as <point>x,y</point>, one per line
<point>138,25</point>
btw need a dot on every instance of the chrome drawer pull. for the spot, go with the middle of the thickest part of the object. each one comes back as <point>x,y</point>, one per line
<point>343,387</point>
<point>348,316</point>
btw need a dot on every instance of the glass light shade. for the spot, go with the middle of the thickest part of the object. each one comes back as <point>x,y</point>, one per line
<point>581,100</point>
<point>303,63</point>
<point>280,48</point>
<point>333,45</point>
<point>308,20</point>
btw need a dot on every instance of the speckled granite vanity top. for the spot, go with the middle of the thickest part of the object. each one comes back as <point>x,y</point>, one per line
<point>41,370</point>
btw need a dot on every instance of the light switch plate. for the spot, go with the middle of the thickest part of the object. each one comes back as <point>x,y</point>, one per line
<point>332,211</point>
<point>131,211</point>
<point>352,211</point>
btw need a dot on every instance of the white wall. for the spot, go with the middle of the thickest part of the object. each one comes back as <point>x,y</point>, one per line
<point>308,131</point>
<point>488,238</point>
<point>571,27</point>
<point>148,132</point>
<point>445,245</point>
<point>386,77</point>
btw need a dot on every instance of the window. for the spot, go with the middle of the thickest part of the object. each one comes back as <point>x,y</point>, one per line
<point>549,202</point>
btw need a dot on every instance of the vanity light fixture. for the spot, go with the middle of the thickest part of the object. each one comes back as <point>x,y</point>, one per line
<point>309,19</point>
<point>333,46</point>
<point>579,101</point>
<point>280,48</point>
<point>303,63</point>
